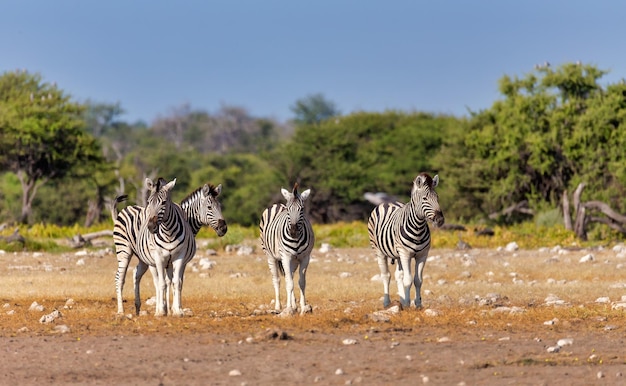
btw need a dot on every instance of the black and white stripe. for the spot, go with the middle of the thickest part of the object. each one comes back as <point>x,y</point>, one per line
<point>201,207</point>
<point>400,232</point>
<point>287,239</point>
<point>163,240</point>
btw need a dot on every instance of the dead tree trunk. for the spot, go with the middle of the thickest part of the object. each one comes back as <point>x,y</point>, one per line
<point>567,218</point>
<point>613,219</point>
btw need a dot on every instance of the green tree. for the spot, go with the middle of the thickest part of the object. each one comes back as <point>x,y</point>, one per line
<point>314,108</point>
<point>42,134</point>
<point>341,159</point>
<point>553,128</point>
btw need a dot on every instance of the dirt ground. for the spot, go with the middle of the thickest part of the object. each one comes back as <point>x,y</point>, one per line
<point>386,358</point>
<point>269,352</point>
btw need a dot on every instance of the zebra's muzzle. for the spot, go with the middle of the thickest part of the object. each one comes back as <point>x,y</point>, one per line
<point>222,228</point>
<point>438,219</point>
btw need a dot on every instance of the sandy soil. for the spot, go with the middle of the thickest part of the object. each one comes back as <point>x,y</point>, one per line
<point>266,354</point>
<point>385,358</point>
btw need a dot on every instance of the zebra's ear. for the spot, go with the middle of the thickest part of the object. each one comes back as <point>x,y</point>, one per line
<point>304,195</point>
<point>286,193</point>
<point>435,180</point>
<point>218,190</point>
<point>170,184</point>
<point>148,183</point>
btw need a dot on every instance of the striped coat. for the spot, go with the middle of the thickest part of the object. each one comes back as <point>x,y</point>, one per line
<point>164,241</point>
<point>287,239</point>
<point>400,232</point>
<point>202,208</point>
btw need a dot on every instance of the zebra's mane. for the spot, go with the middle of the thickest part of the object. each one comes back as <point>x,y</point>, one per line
<point>193,195</point>
<point>427,178</point>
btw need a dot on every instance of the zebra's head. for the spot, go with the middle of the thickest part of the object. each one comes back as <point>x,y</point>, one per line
<point>295,207</point>
<point>425,199</point>
<point>159,198</point>
<point>211,208</point>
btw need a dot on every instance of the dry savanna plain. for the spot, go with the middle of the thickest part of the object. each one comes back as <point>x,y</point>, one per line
<point>491,316</point>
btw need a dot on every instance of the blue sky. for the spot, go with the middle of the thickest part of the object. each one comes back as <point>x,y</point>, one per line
<point>436,56</point>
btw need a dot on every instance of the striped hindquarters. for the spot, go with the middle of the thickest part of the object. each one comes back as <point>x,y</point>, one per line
<point>126,230</point>
<point>394,225</point>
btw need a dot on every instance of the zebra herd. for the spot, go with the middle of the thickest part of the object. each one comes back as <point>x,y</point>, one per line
<point>162,236</point>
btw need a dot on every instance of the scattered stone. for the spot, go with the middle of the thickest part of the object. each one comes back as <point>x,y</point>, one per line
<point>511,247</point>
<point>245,250</point>
<point>604,299</point>
<point>234,373</point>
<point>554,349</point>
<point>80,262</point>
<point>431,312</point>
<point>69,304</point>
<point>205,263</point>
<point>50,317</point>
<point>348,342</point>
<point>565,342</point>
<point>325,248</point>
<point>339,372</point>
<point>61,329</point>
<point>443,339</point>
<point>586,258</point>
<point>35,307</point>
<point>345,275</point>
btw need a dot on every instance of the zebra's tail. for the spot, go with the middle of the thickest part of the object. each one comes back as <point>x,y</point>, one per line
<point>118,199</point>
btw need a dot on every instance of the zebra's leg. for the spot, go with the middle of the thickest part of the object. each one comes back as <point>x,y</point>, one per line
<point>168,288</point>
<point>385,276</point>
<point>304,308</point>
<point>123,259</point>
<point>407,279</point>
<point>138,273</point>
<point>290,267</point>
<point>177,268</point>
<point>399,277</point>
<point>418,280</point>
<point>161,307</point>
<point>273,264</point>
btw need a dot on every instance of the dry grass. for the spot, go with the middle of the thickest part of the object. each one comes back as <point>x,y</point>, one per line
<point>235,294</point>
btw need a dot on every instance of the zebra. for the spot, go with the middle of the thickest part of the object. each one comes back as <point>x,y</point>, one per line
<point>400,232</point>
<point>164,240</point>
<point>201,207</point>
<point>287,239</point>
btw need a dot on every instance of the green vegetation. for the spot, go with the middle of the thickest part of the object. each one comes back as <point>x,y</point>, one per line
<point>554,128</point>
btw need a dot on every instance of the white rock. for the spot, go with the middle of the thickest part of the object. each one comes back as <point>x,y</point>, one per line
<point>80,262</point>
<point>234,373</point>
<point>565,342</point>
<point>50,317</point>
<point>586,258</point>
<point>349,342</point>
<point>205,263</point>
<point>554,349</point>
<point>511,247</point>
<point>339,372</point>
<point>245,250</point>
<point>604,299</point>
<point>345,275</point>
<point>81,253</point>
<point>325,248</point>
<point>35,307</point>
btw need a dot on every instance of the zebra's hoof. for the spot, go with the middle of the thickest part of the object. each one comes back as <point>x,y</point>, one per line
<point>287,312</point>
<point>306,310</point>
